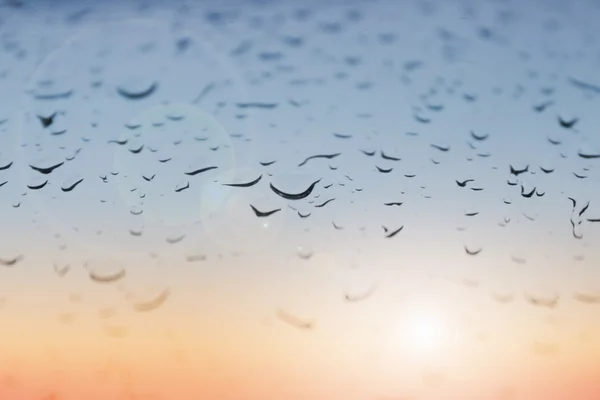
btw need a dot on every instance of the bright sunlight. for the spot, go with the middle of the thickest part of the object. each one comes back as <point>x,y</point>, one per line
<point>423,333</point>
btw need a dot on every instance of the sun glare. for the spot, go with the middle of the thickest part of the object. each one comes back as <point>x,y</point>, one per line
<point>424,332</point>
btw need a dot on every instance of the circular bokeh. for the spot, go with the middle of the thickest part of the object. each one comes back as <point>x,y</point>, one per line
<point>78,108</point>
<point>165,159</point>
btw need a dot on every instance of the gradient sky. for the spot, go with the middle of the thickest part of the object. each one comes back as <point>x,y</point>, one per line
<point>238,84</point>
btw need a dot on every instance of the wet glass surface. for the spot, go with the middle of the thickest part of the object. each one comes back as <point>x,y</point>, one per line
<point>299,200</point>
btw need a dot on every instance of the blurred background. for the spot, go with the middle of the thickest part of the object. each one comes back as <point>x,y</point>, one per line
<point>244,200</point>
